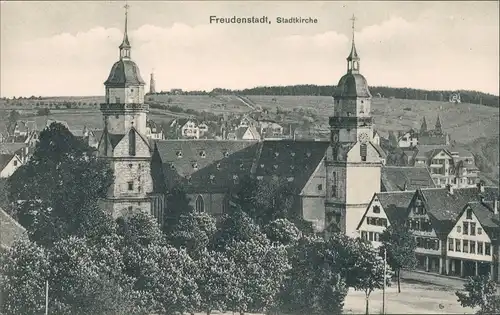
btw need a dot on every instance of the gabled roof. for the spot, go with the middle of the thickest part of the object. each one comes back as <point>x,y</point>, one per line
<point>205,164</point>
<point>379,150</point>
<point>289,159</point>
<point>10,230</point>
<point>486,216</point>
<point>5,159</point>
<point>395,178</point>
<point>443,207</point>
<point>394,204</point>
<point>6,148</point>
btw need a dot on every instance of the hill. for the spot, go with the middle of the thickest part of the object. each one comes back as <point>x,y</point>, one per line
<point>472,97</point>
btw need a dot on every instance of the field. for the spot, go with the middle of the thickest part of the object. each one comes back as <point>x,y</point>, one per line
<point>215,104</point>
<point>464,122</point>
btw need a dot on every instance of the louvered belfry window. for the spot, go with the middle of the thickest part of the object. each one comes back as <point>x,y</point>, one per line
<point>131,143</point>
<point>363,152</point>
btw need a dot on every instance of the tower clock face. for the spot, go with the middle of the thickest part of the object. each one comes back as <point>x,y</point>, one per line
<point>363,138</point>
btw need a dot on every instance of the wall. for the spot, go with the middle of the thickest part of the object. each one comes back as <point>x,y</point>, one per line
<point>215,203</point>
<point>129,95</point>
<point>313,198</point>
<point>454,234</point>
<point>370,227</point>
<point>10,168</point>
<point>120,122</point>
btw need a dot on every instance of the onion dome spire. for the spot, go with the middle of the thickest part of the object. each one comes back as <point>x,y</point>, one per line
<point>353,58</point>
<point>125,45</point>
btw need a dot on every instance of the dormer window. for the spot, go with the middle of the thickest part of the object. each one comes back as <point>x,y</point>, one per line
<point>275,166</point>
<point>292,153</point>
<point>195,166</point>
<point>188,179</point>
<point>308,154</point>
<point>262,166</point>
<point>212,178</point>
<point>276,154</point>
<point>242,166</point>
<point>172,167</point>
<point>179,154</point>
<point>260,177</point>
<point>235,179</point>
<point>292,167</point>
<point>218,166</point>
<point>290,179</point>
<point>203,154</point>
<point>226,154</point>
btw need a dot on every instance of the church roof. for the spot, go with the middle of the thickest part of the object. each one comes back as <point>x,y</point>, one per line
<point>352,85</point>
<point>124,73</point>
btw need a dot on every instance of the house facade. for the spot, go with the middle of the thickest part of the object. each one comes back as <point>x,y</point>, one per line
<point>408,139</point>
<point>9,163</point>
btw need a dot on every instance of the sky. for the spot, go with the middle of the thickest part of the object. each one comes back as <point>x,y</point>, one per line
<point>58,48</point>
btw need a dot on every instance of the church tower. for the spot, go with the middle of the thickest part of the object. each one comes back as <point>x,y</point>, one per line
<point>124,144</point>
<point>353,162</point>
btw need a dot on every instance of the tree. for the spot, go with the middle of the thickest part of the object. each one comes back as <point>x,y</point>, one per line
<point>282,231</point>
<point>315,284</point>
<point>217,275</point>
<point>58,190</point>
<point>480,292</point>
<point>87,278</point>
<point>178,204</point>
<point>368,271</point>
<point>43,112</point>
<point>393,141</point>
<point>194,232</point>
<point>400,246</point>
<point>24,269</point>
<point>14,116</point>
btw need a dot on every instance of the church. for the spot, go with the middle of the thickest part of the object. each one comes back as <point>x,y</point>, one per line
<point>332,181</point>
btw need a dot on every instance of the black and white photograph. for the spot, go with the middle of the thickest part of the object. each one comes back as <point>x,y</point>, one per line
<point>249,157</point>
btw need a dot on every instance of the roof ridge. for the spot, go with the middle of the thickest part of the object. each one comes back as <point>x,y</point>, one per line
<point>397,191</point>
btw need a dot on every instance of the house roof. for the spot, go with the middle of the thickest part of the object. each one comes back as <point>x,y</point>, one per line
<point>444,207</point>
<point>394,178</point>
<point>10,230</point>
<point>395,203</point>
<point>5,159</point>
<point>432,140</point>
<point>13,147</point>
<point>484,213</point>
<point>379,150</point>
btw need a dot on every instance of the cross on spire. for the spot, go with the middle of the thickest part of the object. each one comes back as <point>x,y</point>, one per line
<point>353,19</point>
<point>125,46</point>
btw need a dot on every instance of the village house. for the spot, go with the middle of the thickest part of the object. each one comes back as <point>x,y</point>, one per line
<point>269,129</point>
<point>22,150</point>
<point>412,138</point>
<point>154,131</point>
<point>244,133</point>
<point>9,163</point>
<point>456,230</point>
<point>448,165</point>
<point>10,231</point>
<point>408,139</point>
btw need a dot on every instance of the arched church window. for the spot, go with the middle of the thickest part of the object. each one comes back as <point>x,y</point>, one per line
<point>334,184</point>
<point>200,204</point>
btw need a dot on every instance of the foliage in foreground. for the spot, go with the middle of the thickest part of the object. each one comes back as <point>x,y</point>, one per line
<point>480,292</point>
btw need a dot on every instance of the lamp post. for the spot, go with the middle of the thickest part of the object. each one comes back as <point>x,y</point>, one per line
<point>46,297</point>
<point>383,290</point>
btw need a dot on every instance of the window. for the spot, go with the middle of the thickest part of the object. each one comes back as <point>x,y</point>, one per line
<point>465,246</point>
<point>130,165</point>
<point>334,187</point>
<point>131,143</point>
<point>472,228</point>
<point>472,247</point>
<point>368,220</point>
<point>370,236</point>
<point>376,209</point>
<point>200,204</point>
<point>225,205</point>
<point>457,245</point>
<point>15,163</point>
<point>469,214</point>
<point>459,229</point>
<point>450,244</point>
<point>479,231</point>
<point>364,235</point>
<point>376,237</point>
<point>320,187</point>
<point>487,249</point>
<point>466,228</point>
<point>419,242</point>
<point>130,185</point>
<point>480,248</point>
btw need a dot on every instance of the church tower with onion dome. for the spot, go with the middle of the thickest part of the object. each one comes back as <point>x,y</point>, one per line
<point>353,161</point>
<point>124,143</point>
